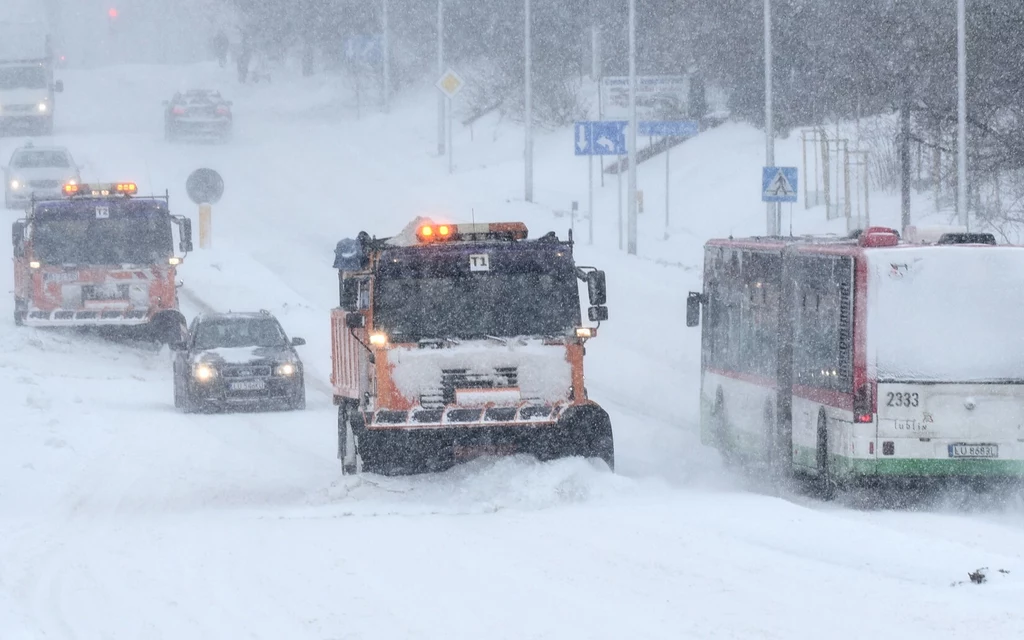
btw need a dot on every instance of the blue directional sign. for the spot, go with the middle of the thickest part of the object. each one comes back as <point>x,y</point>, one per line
<point>668,128</point>
<point>600,138</point>
<point>778,184</point>
<point>363,48</point>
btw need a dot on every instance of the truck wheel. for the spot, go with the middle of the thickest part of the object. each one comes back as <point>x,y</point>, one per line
<point>349,462</point>
<point>586,432</point>
<point>20,312</point>
<point>46,129</point>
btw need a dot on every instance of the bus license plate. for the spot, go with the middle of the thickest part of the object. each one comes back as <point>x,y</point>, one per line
<point>248,385</point>
<point>973,451</point>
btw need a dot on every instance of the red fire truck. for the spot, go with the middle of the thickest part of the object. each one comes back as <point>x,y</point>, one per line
<point>455,340</point>
<point>101,256</point>
<point>853,360</point>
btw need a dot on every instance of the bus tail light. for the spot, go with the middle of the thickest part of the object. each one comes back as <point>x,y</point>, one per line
<point>864,404</point>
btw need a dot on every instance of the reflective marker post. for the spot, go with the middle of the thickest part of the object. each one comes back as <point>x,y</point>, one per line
<point>205,222</point>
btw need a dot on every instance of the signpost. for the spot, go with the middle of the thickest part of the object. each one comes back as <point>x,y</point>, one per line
<point>450,84</point>
<point>779,184</point>
<point>600,138</point>
<point>668,129</point>
<point>205,187</point>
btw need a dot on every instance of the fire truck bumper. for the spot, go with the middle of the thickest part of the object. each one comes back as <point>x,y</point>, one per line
<point>86,318</point>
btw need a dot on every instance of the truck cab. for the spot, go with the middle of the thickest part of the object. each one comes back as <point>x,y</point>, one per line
<point>27,85</point>
<point>100,257</point>
<point>456,340</point>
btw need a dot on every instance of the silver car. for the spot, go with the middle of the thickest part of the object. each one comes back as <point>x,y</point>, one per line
<point>37,171</point>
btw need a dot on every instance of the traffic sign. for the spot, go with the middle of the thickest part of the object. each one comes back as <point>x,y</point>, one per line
<point>204,186</point>
<point>668,128</point>
<point>363,48</point>
<point>779,184</point>
<point>600,138</point>
<point>450,83</point>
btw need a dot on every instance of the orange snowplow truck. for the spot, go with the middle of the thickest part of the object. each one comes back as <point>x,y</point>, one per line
<point>100,257</point>
<point>457,340</point>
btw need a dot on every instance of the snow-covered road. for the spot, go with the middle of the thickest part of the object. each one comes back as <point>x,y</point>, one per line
<point>120,518</point>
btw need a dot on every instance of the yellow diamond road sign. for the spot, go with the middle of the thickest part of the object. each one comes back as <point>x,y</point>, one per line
<point>450,83</point>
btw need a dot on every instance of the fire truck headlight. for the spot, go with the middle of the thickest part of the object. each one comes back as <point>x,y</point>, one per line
<point>286,369</point>
<point>35,264</point>
<point>175,261</point>
<point>204,372</point>
<point>378,339</point>
<point>586,332</point>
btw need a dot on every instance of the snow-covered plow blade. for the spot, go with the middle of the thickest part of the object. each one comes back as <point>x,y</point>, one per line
<point>399,442</point>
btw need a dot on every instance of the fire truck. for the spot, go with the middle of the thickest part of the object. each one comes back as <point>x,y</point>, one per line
<point>100,256</point>
<point>452,341</point>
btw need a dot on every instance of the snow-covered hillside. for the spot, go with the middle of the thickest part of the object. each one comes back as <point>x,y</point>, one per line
<point>120,518</point>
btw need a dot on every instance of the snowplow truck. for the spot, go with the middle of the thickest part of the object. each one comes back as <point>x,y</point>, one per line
<point>453,341</point>
<point>100,257</point>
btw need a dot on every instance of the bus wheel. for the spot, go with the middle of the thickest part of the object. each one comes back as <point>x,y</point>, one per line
<point>720,430</point>
<point>825,484</point>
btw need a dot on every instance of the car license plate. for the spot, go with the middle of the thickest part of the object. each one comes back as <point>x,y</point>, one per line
<point>973,451</point>
<point>248,385</point>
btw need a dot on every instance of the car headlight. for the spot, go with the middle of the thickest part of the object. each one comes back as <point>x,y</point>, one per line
<point>42,107</point>
<point>15,184</point>
<point>204,372</point>
<point>286,369</point>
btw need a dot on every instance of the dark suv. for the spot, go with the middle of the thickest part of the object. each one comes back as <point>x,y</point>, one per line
<point>237,359</point>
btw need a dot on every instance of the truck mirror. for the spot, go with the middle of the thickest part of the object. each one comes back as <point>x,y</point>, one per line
<point>18,238</point>
<point>597,288</point>
<point>59,86</point>
<point>693,308</point>
<point>185,245</point>
<point>298,342</point>
<point>597,313</point>
<point>355,321</point>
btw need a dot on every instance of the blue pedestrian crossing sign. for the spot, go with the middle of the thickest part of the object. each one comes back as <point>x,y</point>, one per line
<point>778,184</point>
<point>600,138</point>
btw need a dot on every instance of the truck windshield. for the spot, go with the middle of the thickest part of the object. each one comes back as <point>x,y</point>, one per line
<point>138,240</point>
<point>22,78</point>
<point>438,303</point>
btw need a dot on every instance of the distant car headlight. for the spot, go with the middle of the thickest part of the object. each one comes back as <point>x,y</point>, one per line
<point>42,107</point>
<point>204,372</point>
<point>15,184</point>
<point>286,369</point>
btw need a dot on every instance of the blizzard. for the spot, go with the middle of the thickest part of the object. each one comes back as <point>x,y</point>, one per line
<point>121,518</point>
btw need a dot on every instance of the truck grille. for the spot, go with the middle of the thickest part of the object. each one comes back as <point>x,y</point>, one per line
<point>246,371</point>
<point>452,379</point>
<point>44,184</point>
<point>105,292</point>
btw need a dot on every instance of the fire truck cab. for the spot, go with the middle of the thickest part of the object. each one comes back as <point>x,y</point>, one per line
<point>456,340</point>
<point>100,257</point>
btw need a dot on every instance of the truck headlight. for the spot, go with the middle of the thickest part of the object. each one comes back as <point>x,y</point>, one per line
<point>204,372</point>
<point>42,107</point>
<point>15,184</point>
<point>286,369</point>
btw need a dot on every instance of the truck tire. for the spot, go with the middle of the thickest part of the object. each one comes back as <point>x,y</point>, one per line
<point>586,431</point>
<point>349,463</point>
<point>20,312</point>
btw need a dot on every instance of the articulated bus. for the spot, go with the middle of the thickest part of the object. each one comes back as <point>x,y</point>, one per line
<point>872,357</point>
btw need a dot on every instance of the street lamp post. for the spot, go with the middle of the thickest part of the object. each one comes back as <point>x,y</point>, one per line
<point>631,225</point>
<point>961,147</point>
<point>440,72</point>
<point>528,102</point>
<point>769,127</point>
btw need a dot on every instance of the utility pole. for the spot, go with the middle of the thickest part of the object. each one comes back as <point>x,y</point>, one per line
<point>631,224</point>
<point>440,72</point>
<point>769,126</point>
<point>528,102</point>
<point>385,47</point>
<point>961,86</point>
